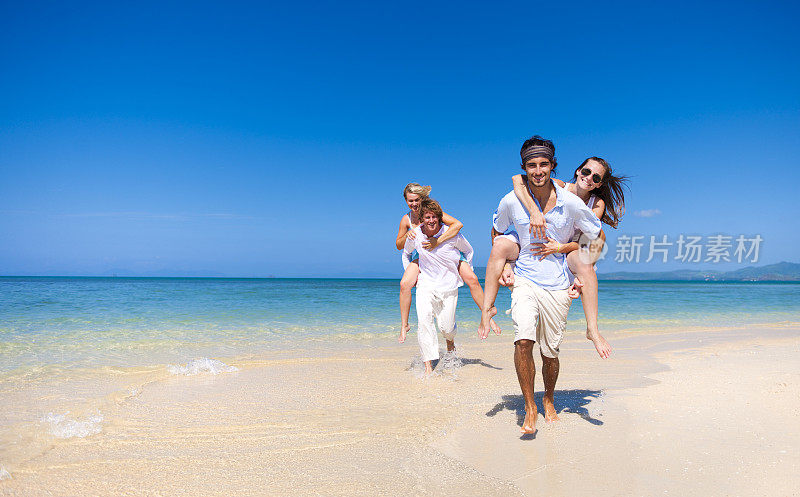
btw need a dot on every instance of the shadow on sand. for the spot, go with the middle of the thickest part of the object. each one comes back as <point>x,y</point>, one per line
<point>572,401</point>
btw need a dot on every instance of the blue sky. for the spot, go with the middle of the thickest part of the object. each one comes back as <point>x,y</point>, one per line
<point>253,140</point>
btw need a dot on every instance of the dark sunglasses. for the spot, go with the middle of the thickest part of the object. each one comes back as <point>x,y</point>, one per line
<point>595,177</point>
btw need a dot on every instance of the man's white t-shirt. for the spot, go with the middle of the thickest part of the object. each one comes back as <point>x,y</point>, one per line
<point>438,268</point>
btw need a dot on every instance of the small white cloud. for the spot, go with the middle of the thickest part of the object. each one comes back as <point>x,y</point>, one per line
<point>647,213</point>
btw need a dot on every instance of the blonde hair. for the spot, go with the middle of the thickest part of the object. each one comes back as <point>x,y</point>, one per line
<point>416,189</point>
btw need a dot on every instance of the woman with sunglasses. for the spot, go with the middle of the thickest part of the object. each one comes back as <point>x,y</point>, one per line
<point>414,194</point>
<point>595,184</point>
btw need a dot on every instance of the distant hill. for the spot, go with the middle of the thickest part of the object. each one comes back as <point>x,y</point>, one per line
<point>782,271</point>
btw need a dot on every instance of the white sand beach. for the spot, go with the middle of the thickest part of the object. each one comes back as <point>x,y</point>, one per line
<point>684,413</point>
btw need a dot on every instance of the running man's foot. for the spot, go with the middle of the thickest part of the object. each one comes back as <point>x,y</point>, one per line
<point>600,343</point>
<point>403,331</point>
<point>529,425</point>
<point>428,367</point>
<point>550,414</point>
<point>451,345</point>
<point>486,322</point>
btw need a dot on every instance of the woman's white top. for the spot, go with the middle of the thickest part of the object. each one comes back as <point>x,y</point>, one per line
<point>438,268</point>
<point>590,204</point>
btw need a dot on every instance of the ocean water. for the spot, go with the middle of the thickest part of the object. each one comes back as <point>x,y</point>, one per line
<point>143,322</point>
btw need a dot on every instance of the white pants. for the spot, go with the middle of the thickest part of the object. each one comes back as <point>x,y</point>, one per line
<point>433,305</point>
<point>539,315</point>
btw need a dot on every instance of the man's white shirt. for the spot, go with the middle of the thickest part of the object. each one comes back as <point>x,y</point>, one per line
<point>569,214</point>
<point>438,268</point>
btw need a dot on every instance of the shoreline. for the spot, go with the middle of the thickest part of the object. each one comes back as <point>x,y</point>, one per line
<point>296,417</point>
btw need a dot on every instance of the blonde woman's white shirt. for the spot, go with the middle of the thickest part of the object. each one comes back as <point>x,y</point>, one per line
<point>438,268</point>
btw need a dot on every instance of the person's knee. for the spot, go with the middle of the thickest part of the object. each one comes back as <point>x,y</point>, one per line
<point>470,278</point>
<point>577,266</point>
<point>524,345</point>
<point>406,284</point>
<point>504,250</point>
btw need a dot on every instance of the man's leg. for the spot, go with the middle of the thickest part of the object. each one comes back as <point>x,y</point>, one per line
<point>406,284</point>
<point>550,366</point>
<point>553,308</point>
<point>446,318</point>
<point>525,314</point>
<point>426,328</point>
<point>526,373</point>
<point>586,273</point>
<point>502,250</point>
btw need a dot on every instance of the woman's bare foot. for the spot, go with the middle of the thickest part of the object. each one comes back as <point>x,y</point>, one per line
<point>487,322</point>
<point>600,343</point>
<point>451,345</point>
<point>550,414</point>
<point>428,367</point>
<point>529,425</point>
<point>494,325</point>
<point>403,331</point>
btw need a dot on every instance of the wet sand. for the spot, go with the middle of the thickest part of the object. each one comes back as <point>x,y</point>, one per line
<point>700,413</point>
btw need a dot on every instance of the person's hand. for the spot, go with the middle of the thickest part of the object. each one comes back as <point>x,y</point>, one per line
<point>576,289</point>
<point>411,234</point>
<point>542,250</point>
<point>431,243</point>
<point>507,276</point>
<point>537,225</point>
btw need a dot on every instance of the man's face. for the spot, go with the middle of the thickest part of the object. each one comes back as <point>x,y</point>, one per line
<point>431,222</point>
<point>538,170</point>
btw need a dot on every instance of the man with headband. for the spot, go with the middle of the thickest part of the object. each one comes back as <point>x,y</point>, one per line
<point>539,297</point>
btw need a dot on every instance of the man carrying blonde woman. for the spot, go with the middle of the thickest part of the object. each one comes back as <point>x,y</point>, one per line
<point>414,194</point>
<point>438,282</point>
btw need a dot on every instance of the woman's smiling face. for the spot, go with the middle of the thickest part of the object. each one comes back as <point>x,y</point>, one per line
<point>413,200</point>
<point>586,182</point>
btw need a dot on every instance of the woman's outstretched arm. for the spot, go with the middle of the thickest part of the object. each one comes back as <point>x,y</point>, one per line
<point>402,232</point>
<point>537,226</point>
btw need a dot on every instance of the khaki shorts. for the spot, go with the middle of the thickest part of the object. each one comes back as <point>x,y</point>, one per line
<point>539,315</point>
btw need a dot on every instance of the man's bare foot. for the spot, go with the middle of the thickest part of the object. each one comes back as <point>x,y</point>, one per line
<point>550,414</point>
<point>486,321</point>
<point>403,331</point>
<point>529,425</point>
<point>600,343</point>
<point>428,367</point>
<point>451,345</point>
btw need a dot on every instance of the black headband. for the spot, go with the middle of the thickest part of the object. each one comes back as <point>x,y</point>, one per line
<point>537,151</point>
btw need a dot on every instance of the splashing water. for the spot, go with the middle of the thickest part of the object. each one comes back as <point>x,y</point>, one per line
<point>447,367</point>
<point>202,365</point>
<point>63,427</point>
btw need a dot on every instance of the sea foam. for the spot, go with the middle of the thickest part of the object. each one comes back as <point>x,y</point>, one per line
<point>63,427</point>
<point>447,367</point>
<point>4,475</point>
<point>203,365</point>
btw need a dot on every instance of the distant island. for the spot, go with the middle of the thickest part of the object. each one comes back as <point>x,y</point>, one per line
<point>782,271</point>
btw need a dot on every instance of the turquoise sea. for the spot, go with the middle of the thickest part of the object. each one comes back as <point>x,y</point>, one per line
<point>98,322</point>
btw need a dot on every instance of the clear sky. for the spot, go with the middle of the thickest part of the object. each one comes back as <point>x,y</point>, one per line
<point>256,139</point>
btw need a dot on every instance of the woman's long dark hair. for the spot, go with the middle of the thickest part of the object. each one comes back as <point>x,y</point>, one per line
<point>611,191</point>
